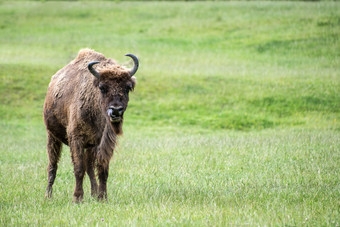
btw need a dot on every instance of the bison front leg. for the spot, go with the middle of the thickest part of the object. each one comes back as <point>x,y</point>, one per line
<point>77,152</point>
<point>90,158</point>
<point>103,173</point>
<point>53,151</point>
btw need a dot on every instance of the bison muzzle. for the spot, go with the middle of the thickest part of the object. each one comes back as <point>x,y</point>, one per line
<point>84,109</point>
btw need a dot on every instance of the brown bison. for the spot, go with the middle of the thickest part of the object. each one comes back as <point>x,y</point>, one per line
<point>84,109</point>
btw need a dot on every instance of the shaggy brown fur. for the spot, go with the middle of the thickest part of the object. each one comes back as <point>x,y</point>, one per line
<point>75,113</point>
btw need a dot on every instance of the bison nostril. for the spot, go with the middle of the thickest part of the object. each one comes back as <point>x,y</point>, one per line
<point>116,110</point>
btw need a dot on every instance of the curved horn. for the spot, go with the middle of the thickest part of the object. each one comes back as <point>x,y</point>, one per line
<point>136,62</point>
<point>92,70</point>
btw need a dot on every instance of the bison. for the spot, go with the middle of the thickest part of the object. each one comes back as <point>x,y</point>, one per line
<point>84,109</point>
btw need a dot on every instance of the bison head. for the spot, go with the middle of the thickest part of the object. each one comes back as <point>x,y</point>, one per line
<point>114,86</point>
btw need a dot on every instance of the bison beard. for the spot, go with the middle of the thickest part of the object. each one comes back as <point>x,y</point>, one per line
<point>84,109</point>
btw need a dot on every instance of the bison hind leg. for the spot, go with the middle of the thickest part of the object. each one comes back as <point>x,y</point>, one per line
<point>103,173</point>
<point>53,150</point>
<point>90,159</point>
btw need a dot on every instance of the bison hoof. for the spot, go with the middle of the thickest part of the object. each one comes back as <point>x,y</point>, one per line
<point>77,199</point>
<point>48,194</point>
<point>102,197</point>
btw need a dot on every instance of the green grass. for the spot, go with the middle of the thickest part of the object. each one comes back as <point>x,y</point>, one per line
<point>234,120</point>
<point>268,177</point>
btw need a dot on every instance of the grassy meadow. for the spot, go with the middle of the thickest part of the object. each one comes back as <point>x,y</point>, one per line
<point>234,119</point>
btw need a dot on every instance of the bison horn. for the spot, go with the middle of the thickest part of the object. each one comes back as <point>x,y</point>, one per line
<point>92,70</point>
<point>136,62</point>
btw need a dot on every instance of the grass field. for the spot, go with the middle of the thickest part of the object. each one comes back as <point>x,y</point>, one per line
<point>234,120</point>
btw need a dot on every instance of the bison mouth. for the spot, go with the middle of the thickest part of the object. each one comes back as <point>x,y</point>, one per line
<point>115,119</point>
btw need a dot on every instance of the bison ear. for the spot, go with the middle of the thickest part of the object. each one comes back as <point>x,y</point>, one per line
<point>96,82</point>
<point>134,81</point>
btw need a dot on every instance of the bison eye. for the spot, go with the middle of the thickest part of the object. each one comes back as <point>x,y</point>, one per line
<point>103,89</point>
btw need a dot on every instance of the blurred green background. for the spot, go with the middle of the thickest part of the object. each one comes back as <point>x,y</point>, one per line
<point>236,65</point>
